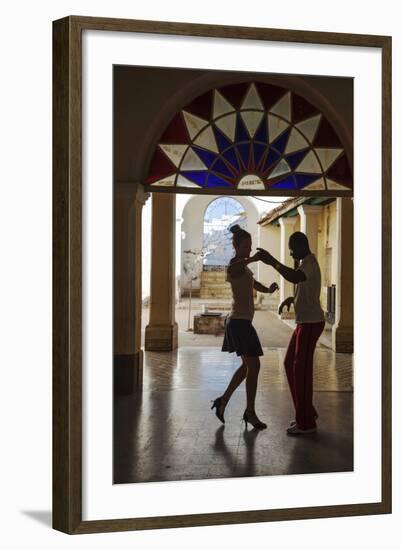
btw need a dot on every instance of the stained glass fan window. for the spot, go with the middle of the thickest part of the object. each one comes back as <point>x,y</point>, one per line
<point>250,136</point>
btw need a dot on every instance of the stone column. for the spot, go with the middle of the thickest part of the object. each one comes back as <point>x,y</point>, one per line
<point>129,199</point>
<point>270,240</point>
<point>162,331</point>
<point>309,223</point>
<point>286,288</point>
<point>343,329</point>
<point>178,261</point>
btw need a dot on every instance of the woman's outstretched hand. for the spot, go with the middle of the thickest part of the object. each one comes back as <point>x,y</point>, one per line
<point>273,287</point>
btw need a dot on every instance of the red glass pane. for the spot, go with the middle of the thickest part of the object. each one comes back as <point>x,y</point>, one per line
<point>160,167</point>
<point>235,93</point>
<point>201,106</point>
<point>326,136</point>
<point>340,172</point>
<point>270,94</point>
<point>301,109</point>
<point>176,131</point>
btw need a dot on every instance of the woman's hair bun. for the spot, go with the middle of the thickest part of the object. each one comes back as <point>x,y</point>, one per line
<point>235,228</point>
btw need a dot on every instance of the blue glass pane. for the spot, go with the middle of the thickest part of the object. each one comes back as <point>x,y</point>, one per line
<point>240,133</point>
<point>305,179</point>
<point>258,150</point>
<point>206,156</point>
<point>281,142</point>
<point>261,134</point>
<point>232,158</point>
<point>198,177</point>
<point>295,158</point>
<point>216,181</point>
<point>286,183</point>
<point>271,158</point>
<point>222,141</point>
<point>244,150</point>
<point>220,166</point>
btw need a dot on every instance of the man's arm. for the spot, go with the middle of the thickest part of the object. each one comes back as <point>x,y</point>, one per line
<point>286,303</point>
<point>292,275</point>
<point>237,267</point>
<point>262,288</point>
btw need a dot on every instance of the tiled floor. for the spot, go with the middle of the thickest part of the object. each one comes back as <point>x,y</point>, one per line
<point>168,432</point>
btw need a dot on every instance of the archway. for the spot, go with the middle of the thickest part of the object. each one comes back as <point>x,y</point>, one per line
<point>250,137</point>
<point>192,228</point>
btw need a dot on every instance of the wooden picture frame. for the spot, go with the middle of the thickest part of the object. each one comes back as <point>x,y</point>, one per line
<point>67,274</point>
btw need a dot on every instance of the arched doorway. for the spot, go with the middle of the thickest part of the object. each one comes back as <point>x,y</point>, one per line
<point>192,218</point>
<point>250,137</point>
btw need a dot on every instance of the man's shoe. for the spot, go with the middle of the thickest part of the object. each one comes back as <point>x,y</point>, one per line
<point>295,430</point>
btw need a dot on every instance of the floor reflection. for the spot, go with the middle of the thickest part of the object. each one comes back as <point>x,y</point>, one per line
<point>168,432</point>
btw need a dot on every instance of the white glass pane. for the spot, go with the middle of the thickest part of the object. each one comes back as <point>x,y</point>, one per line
<point>252,120</point>
<point>252,100</point>
<point>283,107</point>
<point>281,168</point>
<point>328,156</point>
<point>309,126</point>
<point>296,142</point>
<point>276,127</point>
<point>192,162</point>
<point>166,182</point>
<point>334,185</point>
<point>227,125</point>
<point>316,185</point>
<point>183,182</point>
<point>221,105</point>
<point>174,152</point>
<point>194,123</point>
<point>207,140</point>
<point>309,164</point>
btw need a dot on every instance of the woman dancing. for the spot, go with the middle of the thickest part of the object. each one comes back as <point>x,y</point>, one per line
<point>239,334</point>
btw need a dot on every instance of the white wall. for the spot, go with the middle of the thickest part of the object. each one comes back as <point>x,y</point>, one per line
<point>26,275</point>
<point>146,246</point>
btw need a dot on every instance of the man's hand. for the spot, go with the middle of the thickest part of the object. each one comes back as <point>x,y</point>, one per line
<point>273,287</point>
<point>256,257</point>
<point>266,257</point>
<point>285,303</point>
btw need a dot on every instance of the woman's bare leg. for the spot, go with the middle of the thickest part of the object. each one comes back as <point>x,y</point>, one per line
<point>237,378</point>
<point>252,372</point>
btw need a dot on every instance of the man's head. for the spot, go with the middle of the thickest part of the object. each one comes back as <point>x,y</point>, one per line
<point>298,245</point>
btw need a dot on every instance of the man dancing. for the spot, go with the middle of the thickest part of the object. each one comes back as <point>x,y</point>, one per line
<point>309,318</point>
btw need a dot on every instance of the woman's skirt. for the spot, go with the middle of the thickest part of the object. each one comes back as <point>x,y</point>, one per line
<point>241,337</point>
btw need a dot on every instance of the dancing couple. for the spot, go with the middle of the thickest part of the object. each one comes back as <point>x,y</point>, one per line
<point>240,336</point>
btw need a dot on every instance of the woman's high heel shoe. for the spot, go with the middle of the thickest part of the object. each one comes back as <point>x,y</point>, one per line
<point>219,404</point>
<point>253,420</point>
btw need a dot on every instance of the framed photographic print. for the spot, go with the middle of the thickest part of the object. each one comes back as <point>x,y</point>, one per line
<point>188,388</point>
